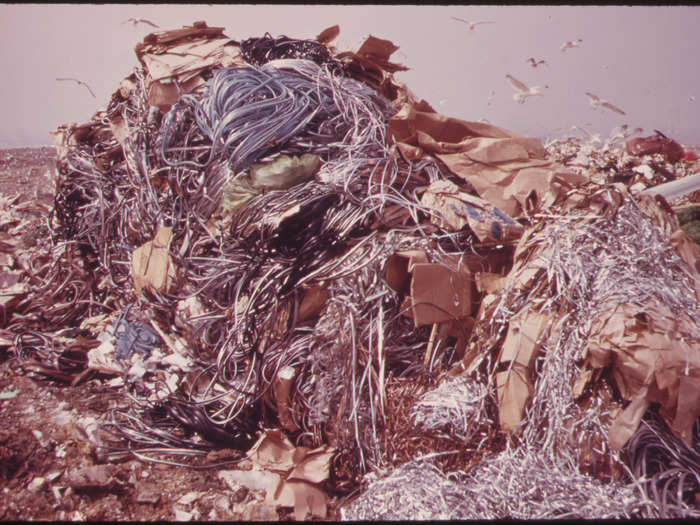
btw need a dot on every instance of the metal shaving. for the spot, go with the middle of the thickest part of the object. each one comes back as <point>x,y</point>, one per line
<point>456,407</point>
<point>520,483</point>
<point>416,490</point>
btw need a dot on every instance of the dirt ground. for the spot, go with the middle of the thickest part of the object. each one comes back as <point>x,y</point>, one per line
<point>49,466</point>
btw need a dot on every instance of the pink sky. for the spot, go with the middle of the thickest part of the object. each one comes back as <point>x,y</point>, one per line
<point>642,59</point>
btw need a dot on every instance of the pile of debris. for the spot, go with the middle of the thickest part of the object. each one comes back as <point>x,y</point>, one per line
<point>274,246</point>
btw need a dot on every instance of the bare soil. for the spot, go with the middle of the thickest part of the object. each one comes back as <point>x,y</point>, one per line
<point>46,453</point>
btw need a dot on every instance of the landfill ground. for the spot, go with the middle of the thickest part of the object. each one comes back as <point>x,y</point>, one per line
<point>48,466</point>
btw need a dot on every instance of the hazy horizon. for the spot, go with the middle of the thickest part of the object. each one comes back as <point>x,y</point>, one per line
<point>640,58</point>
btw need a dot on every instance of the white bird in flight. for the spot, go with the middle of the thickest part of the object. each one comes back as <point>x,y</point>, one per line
<point>534,62</point>
<point>596,101</point>
<point>137,21</point>
<point>571,44</point>
<point>79,82</point>
<point>621,132</point>
<point>523,90</point>
<point>593,138</point>
<point>472,25</point>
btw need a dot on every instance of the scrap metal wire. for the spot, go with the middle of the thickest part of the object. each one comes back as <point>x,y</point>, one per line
<point>416,490</point>
<point>456,407</point>
<point>259,51</point>
<point>519,483</point>
<point>585,265</point>
<point>666,466</point>
<point>249,112</point>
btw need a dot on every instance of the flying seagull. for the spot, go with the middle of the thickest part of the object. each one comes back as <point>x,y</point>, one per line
<point>571,43</point>
<point>622,132</point>
<point>136,21</point>
<point>490,99</point>
<point>79,82</point>
<point>596,101</point>
<point>534,62</point>
<point>523,90</point>
<point>472,25</point>
<point>593,138</point>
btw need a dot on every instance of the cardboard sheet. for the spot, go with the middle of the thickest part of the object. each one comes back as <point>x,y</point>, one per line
<point>182,55</point>
<point>439,294</point>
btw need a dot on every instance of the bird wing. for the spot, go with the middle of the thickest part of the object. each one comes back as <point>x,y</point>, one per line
<point>592,96</point>
<point>517,84</point>
<point>461,20</point>
<point>483,22</point>
<point>613,108</point>
<point>148,22</point>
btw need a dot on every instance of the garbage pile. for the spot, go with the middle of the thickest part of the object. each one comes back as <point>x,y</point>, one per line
<point>273,246</point>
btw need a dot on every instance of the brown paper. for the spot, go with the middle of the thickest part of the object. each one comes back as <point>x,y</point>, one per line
<point>151,266</point>
<point>328,35</point>
<point>513,392</point>
<point>455,209</point>
<point>281,388</point>
<point>399,265</point>
<point>439,294</point>
<point>308,501</point>
<point>625,424</point>
<point>163,95</point>
<point>519,349</point>
<point>312,303</point>
<point>273,451</point>
<point>653,354</point>
<point>312,465</point>
<point>487,282</point>
<point>301,469</point>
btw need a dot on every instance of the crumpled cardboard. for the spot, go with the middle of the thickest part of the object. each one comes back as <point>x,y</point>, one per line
<point>518,353</point>
<point>151,265</point>
<point>370,64</point>
<point>181,56</point>
<point>328,35</point>
<point>455,209</point>
<point>300,469</point>
<point>508,170</point>
<point>654,357</point>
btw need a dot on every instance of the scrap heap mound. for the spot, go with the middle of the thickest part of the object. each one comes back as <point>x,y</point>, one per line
<point>275,247</point>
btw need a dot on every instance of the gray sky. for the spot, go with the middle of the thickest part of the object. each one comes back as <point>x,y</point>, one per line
<point>642,59</point>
